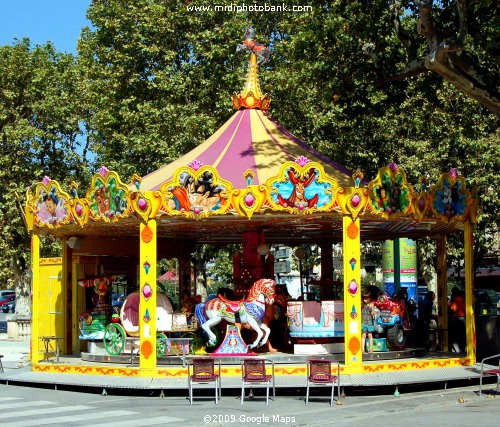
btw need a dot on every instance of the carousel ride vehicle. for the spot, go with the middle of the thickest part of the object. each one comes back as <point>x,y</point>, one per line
<point>117,332</point>
<point>389,315</point>
<point>251,183</point>
<point>249,310</point>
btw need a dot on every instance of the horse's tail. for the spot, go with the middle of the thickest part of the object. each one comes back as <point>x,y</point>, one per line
<point>199,312</point>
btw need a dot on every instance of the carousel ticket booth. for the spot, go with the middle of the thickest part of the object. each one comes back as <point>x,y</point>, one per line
<point>251,183</point>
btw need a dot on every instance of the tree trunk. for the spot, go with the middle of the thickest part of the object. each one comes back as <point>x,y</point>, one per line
<point>23,294</point>
<point>426,253</point>
<point>457,69</point>
<point>448,58</point>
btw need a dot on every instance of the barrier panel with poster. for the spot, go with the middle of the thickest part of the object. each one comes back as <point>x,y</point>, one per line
<point>408,267</point>
<point>405,267</point>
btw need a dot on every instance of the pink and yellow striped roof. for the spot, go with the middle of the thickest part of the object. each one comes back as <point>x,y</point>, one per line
<point>248,140</point>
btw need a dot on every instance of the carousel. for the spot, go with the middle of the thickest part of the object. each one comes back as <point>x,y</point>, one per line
<point>252,183</point>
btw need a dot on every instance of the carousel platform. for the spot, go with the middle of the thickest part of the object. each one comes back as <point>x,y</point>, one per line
<point>277,358</point>
<point>58,375</point>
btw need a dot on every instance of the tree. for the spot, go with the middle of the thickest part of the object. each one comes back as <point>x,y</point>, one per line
<point>160,78</point>
<point>337,89</point>
<point>462,44</point>
<point>222,267</point>
<point>214,262</point>
<point>154,79</point>
<point>39,131</point>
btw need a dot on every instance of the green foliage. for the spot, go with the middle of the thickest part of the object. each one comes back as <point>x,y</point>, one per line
<point>370,280</point>
<point>39,131</point>
<point>153,79</point>
<point>222,268</point>
<point>171,289</point>
<point>216,263</point>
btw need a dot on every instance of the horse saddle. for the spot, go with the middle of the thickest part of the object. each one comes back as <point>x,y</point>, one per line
<point>232,306</point>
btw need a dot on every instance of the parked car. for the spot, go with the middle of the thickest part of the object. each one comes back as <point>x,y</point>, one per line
<point>10,307</point>
<point>6,292</point>
<point>6,299</point>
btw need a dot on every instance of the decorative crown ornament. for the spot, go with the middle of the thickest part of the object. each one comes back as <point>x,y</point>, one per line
<point>251,97</point>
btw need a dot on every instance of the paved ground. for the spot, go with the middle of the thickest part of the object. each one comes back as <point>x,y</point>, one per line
<point>426,405</point>
<point>461,407</point>
<point>15,352</point>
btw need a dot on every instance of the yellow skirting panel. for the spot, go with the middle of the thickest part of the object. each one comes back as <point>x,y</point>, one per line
<point>235,370</point>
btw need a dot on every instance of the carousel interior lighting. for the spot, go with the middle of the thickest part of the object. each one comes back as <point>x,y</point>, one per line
<point>263,249</point>
<point>300,253</point>
<point>74,242</point>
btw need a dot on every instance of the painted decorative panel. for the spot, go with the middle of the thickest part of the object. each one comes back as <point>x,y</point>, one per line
<point>108,197</point>
<point>196,191</point>
<point>50,204</point>
<point>390,193</point>
<point>450,199</point>
<point>302,187</point>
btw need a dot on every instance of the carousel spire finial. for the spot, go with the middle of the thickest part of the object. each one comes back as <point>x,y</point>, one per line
<point>251,96</point>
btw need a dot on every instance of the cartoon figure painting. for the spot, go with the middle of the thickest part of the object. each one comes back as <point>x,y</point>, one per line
<point>302,187</point>
<point>51,208</point>
<point>196,193</point>
<point>395,197</point>
<point>102,198</point>
<point>451,200</point>
<point>298,197</point>
<point>108,199</point>
<point>390,194</point>
<point>388,198</point>
<point>383,199</point>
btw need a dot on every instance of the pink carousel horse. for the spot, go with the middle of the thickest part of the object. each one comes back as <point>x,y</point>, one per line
<point>250,44</point>
<point>250,310</point>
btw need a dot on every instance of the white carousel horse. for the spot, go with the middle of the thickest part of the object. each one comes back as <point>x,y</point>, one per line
<point>250,310</point>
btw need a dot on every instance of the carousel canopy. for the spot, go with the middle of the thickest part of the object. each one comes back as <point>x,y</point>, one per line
<point>253,174</point>
<point>249,140</point>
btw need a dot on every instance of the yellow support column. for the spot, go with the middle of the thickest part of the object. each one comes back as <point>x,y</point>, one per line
<point>352,291</point>
<point>147,290</point>
<point>75,331</point>
<point>352,201</point>
<point>470,324</point>
<point>66,259</point>
<point>35,289</point>
<point>442,288</point>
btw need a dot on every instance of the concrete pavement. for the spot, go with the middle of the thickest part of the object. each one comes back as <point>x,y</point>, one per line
<point>460,407</point>
<point>375,407</point>
<point>15,352</point>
